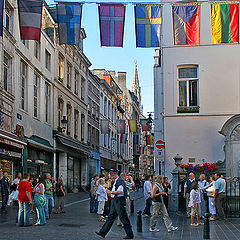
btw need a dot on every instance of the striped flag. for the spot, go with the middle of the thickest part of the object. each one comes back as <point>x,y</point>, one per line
<point>111,19</point>
<point>225,23</point>
<point>149,139</point>
<point>30,17</point>
<point>121,126</point>
<point>145,125</point>
<point>1,17</point>
<point>132,125</point>
<point>69,22</point>
<point>123,138</point>
<point>141,150</point>
<point>135,139</point>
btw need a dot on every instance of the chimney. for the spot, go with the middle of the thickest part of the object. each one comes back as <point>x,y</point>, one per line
<point>122,76</point>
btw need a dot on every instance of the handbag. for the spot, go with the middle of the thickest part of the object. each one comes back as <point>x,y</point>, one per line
<point>210,191</point>
<point>42,200</point>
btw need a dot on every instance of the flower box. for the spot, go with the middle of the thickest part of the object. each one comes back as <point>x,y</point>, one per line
<point>191,109</point>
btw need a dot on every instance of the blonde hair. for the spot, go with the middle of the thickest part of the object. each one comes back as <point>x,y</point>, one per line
<point>158,179</point>
<point>60,180</point>
<point>101,181</point>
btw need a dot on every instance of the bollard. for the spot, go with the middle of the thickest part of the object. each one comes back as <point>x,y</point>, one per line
<point>139,221</point>
<point>206,228</point>
<point>132,205</point>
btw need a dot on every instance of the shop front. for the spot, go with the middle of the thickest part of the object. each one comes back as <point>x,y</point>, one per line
<point>93,164</point>
<point>11,148</point>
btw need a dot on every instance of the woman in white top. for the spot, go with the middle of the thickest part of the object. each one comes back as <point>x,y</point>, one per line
<point>40,202</point>
<point>101,195</point>
<point>210,192</point>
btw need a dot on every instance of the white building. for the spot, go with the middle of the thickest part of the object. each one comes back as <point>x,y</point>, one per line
<point>196,93</point>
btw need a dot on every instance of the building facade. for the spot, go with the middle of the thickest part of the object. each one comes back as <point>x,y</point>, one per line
<point>196,97</point>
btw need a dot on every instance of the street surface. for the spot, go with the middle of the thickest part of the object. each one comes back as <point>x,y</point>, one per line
<point>77,223</point>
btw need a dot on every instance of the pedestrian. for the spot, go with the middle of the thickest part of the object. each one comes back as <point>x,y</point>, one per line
<point>137,183</point>
<point>101,195</point>
<point>108,186</point>
<point>210,193</point>
<point>49,196</point>
<point>5,190</point>
<point>147,195</point>
<point>187,190</point>
<point>166,186</point>
<point>16,181</point>
<point>93,201</point>
<point>40,201</point>
<point>24,201</point>
<point>220,195</point>
<point>118,203</point>
<point>194,204</point>
<point>159,207</point>
<point>60,195</point>
<point>203,194</point>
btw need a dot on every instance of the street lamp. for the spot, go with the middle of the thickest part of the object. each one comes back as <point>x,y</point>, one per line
<point>64,123</point>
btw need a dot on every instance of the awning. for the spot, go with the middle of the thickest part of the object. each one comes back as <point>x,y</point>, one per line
<point>11,139</point>
<point>40,146</point>
<point>73,144</point>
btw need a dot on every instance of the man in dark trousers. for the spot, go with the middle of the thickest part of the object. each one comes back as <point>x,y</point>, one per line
<point>5,188</point>
<point>118,203</point>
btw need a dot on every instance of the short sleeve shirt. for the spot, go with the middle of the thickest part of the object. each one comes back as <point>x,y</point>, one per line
<point>220,185</point>
<point>22,188</point>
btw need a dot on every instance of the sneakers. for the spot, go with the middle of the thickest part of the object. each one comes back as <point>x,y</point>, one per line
<point>212,219</point>
<point>194,224</point>
<point>154,230</point>
<point>172,229</point>
<point>147,215</point>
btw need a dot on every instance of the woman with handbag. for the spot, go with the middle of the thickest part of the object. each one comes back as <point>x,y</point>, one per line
<point>40,202</point>
<point>60,194</point>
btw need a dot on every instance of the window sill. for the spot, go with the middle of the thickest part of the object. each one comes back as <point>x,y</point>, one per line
<point>192,109</point>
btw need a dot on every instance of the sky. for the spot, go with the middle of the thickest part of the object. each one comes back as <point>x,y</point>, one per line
<point>119,59</point>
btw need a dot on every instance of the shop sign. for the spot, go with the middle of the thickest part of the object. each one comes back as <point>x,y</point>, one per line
<point>10,153</point>
<point>11,143</point>
<point>20,131</point>
<point>114,146</point>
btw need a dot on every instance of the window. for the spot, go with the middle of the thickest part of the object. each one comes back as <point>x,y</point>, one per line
<point>109,109</point>
<point>89,105</point>
<point>8,23</point>
<point>76,122</point>
<point>105,106</point>
<point>83,89</point>
<point>82,127</point>
<point>23,85</point>
<point>7,72</point>
<point>47,102</point>
<point>36,95</point>
<point>69,118</point>
<point>60,68</point>
<point>37,49</point>
<point>188,89</point>
<point>47,60</point>
<point>69,76</point>
<point>60,113</point>
<point>76,82</point>
<point>26,43</point>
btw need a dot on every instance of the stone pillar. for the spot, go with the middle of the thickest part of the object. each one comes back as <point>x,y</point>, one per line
<point>174,197</point>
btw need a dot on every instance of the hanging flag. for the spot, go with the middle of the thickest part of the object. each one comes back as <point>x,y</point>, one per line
<point>149,139</point>
<point>104,126</point>
<point>69,22</point>
<point>186,24</point>
<point>1,17</point>
<point>111,19</point>
<point>30,17</point>
<point>135,139</point>
<point>132,125</point>
<point>121,126</point>
<point>141,150</point>
<point>225,23</point>
<point>123,138</point>
<point>145,125</point>
<point>148,21</point>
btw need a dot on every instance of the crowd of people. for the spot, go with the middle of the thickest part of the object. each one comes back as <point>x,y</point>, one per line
<point>42,196</point>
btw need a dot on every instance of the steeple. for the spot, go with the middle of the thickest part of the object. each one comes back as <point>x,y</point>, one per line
<point>135,84</point>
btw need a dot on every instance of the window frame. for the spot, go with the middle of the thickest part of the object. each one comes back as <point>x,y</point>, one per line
<point>7,83</point>
<point>47,60</point>
<point>47,101</point>
<point>37,50</point>
<point>36,95</point>
<point>23,87</point>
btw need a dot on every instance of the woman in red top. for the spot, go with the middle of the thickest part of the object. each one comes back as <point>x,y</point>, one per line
<point>24,201</point>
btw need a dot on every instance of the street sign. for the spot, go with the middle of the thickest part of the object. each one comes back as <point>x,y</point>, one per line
<point>160,144</point>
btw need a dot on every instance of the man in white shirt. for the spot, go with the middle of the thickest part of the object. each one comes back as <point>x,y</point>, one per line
<point>16,182</point>
<point>147,195</point>
<point>118,203</point>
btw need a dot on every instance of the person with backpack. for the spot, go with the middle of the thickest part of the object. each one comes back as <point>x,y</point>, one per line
<point>60,194</point>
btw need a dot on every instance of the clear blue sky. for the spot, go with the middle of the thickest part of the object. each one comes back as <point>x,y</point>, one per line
<point>119,59</point>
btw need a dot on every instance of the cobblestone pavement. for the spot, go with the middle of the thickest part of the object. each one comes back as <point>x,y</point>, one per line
<point>78,224</point>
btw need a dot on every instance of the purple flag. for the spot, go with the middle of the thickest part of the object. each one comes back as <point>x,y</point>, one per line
<point>111,19</point>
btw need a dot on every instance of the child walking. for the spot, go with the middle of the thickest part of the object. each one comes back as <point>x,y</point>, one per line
<point>194,204</point>
<point>101,195</point>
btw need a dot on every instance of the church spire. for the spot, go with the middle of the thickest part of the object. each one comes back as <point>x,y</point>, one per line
<point>135,84</point>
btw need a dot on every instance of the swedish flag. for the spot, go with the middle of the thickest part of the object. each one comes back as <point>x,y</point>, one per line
<point>148,21</point>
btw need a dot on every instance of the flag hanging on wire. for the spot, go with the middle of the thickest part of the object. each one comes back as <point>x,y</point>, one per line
<point>135,139</point>
<point>69,22</point>
<point>104,126</point>
<point>148,21</point>
<point>132,125</point>
<point>225,23</point>
<point>121,126</point>
<point>149,139</point>
<point>141,150</point>
<point>145,125</point>
<point>30,18</point>
<point>186,24</point>
<point>123,138</point>
<point>111,19</point>
<point>1,17</point>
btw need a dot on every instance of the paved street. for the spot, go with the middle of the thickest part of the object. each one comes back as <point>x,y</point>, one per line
<point>78,223</point>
